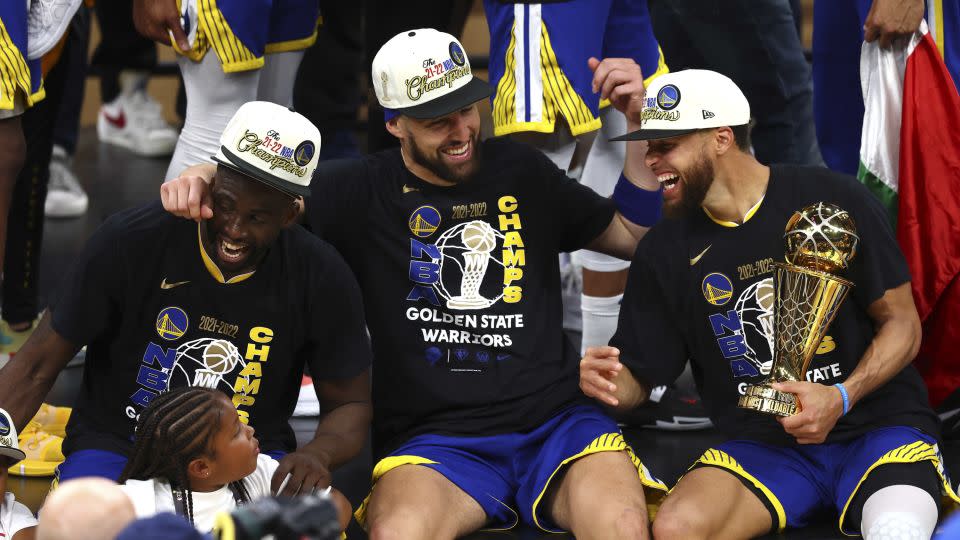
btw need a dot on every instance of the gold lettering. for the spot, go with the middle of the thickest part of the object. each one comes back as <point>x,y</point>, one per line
<point>512,294</point>
<point>507,203</point>
<point>261,334</point>
<point>512,239</point>
<point>257,353</point>
<point>506,222</point>
<point>243,399</point>
<point>252,369</point>
<point>511,274</point>
<point>245,386</point>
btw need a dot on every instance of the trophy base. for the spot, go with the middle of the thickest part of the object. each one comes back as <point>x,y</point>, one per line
<point>468,302</point>
<point>765,399</point>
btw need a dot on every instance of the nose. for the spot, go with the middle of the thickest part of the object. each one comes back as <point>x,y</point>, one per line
<point>651,158</point>
<point>234,227</point>
<point>250,431</point>
<point>460,130</point>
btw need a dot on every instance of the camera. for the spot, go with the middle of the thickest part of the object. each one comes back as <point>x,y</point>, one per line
<point>311,517</point>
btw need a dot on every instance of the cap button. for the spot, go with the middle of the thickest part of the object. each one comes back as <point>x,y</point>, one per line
<point>411,34</point>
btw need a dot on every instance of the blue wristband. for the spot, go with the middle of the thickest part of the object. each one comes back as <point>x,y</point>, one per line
<point>844,396</point>
<point>640,206</point>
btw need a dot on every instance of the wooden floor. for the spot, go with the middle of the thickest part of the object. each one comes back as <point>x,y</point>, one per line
<point>115,179</point>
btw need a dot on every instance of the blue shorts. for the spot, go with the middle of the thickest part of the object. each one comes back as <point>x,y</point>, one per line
<point>538,59</point>
<point>242,31</point>
<point>102,463</point>
<point>837,96</point>
<point>508,474</point>
<point>17,74</point>
<point>801,481</point>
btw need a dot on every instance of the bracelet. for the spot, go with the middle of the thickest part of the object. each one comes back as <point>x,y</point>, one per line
<point>844,396</point>
<point>640,206</point>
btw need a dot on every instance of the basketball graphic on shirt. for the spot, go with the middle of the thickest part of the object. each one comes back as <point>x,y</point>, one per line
<point>755,308</point>
<point>206,362</point>
<point>471,275</point>
<point>479,236</point>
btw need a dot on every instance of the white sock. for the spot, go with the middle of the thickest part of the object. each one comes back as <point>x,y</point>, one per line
<point>899,512</point>
<point>599,319</point>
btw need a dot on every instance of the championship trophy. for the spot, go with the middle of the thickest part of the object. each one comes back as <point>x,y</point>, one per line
<point>820,240</point>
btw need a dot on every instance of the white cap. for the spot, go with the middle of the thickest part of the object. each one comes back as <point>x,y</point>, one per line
<point>9,445</point>
<point>272,144</point>
<point>425,73</point>
<point>688,100</point>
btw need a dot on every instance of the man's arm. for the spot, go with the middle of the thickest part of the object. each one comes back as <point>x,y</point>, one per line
<point>26,379</point>
<point>892,19</point>
<point>605,379</point>
<point>894,346</point>
<point>621,81</point>
<point>188,195</point>
<point>340,435</point>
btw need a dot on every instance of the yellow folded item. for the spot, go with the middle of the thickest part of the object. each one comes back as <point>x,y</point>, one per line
<point>44,452</point>
<point>53,419</point>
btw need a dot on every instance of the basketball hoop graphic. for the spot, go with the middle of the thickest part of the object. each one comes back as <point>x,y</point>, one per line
<point>479,239</point>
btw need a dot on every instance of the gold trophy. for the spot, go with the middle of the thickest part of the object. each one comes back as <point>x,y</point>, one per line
<point>820,240</point>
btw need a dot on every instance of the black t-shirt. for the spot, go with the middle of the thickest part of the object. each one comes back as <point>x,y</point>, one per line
<point>704,291</point>
<point>461,286</point>
<point>154,317</point>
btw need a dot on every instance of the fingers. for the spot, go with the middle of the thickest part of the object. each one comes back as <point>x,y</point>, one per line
<point>176,30</point>
<point>597,373</point>
<point>281,477</point>
<point>187,197</point>
<point>603,351</point>
<point>604,68</point>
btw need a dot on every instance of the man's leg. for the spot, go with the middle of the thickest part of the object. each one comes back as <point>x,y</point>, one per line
<point>600,496</point>
<point>711,503</point>
<point>412,502</point>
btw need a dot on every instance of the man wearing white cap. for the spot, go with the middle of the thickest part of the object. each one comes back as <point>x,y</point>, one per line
<point>16,520</point>
<point>864,444</point>
<point>239,302</point>
<point>477,416</point>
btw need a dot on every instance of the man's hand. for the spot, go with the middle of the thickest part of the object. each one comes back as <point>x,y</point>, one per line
<point>821,407</point>
<point>187,196</point>
<point>157,19</point>
<point>598,370</point>
<point>307,472</point>
<point>621,81</point>
<point>892,19</point>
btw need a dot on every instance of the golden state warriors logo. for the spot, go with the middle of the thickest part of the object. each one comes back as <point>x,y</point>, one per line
<point>172,323</point>
<point>456,54</point>
<point>304,153</point>
<point>668,97</point>
<point>717,288</point>
<point>424,221</point>
<point>4,426</point>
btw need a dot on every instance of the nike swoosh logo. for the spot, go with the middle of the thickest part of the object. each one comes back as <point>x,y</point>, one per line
<point>165,285</point>
<point>119,121</point>
<point>408,189</point>
<point>696,259</point>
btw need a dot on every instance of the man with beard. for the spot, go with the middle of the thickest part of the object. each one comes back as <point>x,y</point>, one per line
<point>865,442</point>
<point>478,419</point>
<point>238,302</point>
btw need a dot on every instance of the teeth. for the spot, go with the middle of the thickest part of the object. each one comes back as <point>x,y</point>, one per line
<point>667,177</point>
<point>228,246</point>
<point>460,150</point>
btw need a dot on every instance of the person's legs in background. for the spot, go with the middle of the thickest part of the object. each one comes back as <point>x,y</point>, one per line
<point>129,117</point>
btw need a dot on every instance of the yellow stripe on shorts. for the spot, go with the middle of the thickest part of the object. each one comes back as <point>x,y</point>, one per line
<point>721,459</point>
<point>14,73</point>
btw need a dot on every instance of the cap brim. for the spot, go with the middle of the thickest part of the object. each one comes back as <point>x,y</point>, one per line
<point>15,453</point>
<point>242,167</point>
<point>470,93</point>
<point>652,134</point>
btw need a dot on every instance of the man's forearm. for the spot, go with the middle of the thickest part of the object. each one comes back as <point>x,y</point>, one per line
<point>341,434</point>
<point>630,392</point>
<point>893,348</point>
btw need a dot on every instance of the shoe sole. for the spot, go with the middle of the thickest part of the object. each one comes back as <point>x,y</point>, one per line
<point>679,423</point>
<point>126,143</point>
<point>29,467</point>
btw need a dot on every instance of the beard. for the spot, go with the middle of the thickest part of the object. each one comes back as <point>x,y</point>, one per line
<point>437,165</point>
<point>695,182</point>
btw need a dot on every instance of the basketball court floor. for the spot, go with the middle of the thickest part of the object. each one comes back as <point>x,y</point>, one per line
<point>116,179</point>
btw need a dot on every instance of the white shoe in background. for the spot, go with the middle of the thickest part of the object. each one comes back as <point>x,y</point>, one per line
<point>135,121</point>
<point>47,20</point>
<point>65,196</point>
<point>307,403</point>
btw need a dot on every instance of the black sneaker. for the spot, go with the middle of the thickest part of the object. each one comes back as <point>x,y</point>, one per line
<point>670,410</point>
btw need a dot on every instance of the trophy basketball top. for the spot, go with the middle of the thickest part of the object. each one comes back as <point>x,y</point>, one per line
<point>821,237</point>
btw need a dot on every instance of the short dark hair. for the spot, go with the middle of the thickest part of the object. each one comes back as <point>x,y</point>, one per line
<point>741,135</point>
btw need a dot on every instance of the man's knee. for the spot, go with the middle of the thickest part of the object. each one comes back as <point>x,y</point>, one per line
<point>678,520</point>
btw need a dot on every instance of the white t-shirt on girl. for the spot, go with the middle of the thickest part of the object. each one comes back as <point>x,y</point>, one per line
<point>13,517</point>
<point>152,497</point>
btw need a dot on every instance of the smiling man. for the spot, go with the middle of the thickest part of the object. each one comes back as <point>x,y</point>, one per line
<point>455,240</point>
<point>239,302</point>
<point>865,444</point>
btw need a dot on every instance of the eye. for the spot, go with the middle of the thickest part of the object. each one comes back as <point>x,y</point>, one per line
<point>257,218</point>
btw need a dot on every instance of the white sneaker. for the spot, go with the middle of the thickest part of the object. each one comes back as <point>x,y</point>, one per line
<point>307,403</point>
<point>65,197</point>
<point>47,20</point>
<point>134,121</point>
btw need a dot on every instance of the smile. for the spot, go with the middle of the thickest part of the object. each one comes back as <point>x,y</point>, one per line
<point>669,180</point>
<point>232,252</point>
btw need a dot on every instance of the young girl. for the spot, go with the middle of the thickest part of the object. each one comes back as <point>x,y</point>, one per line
<point>194,457</point>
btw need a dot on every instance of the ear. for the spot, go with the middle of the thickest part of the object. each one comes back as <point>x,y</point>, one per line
<point>292,212</point>
<point>393,126</point>
<point>723,140</point>
<point>198,469</point>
